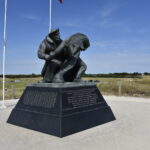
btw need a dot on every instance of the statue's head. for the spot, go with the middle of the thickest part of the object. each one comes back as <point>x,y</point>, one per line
<point>85,43</point>
<point>80,40</point>
<point>55,35</point>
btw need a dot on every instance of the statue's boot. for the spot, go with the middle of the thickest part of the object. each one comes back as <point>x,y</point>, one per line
<point>77,80</point>
<point>42,81</point>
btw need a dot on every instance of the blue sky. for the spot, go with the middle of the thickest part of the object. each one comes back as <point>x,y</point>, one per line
<point>119,31</point>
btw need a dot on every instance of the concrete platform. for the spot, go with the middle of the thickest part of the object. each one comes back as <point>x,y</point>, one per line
<point>131,130</point>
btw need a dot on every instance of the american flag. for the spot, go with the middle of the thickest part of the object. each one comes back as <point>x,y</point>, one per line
<point>60,1</point>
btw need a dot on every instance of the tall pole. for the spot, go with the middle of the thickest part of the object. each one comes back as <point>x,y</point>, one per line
<point>4,54</point>
<point>50,17</point>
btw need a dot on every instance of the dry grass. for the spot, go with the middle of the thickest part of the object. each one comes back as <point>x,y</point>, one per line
<point>129,86</point>
<point>108,86</point>
<point>18,87</point>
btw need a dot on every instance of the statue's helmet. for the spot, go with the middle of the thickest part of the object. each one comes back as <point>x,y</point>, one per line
<point>54,31</point>
<point>54,35</point>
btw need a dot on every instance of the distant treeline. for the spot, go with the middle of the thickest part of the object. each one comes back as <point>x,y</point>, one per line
<point>109,75</point>
<point>22,76</point>
<point>118,75</point>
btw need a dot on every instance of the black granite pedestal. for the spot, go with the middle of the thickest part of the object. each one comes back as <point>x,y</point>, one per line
<point>61,109</point>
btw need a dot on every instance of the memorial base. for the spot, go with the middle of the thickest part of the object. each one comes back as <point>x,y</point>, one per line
<point>61,109</point>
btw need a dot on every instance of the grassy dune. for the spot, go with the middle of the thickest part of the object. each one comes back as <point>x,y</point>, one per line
<point>109,86</point>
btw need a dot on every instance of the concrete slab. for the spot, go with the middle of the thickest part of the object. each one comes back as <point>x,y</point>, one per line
<point>131,130</point>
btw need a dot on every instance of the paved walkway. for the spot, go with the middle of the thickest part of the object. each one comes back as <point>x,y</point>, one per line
<point>131,130</point>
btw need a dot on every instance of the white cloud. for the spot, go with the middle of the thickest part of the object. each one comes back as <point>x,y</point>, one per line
<point>108,10</point>
<point>110,22</point>
<point>103,18</point>
<point>100,43</point>
<point>30,17</point>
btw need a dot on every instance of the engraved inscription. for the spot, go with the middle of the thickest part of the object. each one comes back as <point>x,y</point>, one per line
<point>42,99</point>
<point>82,97</point>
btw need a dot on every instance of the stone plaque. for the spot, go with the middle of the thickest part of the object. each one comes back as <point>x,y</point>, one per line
<point>45,99</point>
<point>78,98</point>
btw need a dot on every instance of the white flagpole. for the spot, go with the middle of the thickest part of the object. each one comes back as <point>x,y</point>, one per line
<point>50,17</point>
<point>4,55</point>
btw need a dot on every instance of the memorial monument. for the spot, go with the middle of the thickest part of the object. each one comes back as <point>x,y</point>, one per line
<point>61,104</point>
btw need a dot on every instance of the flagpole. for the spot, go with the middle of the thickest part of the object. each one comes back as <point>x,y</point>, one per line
<point>50,20</point>
<point>4,54</point>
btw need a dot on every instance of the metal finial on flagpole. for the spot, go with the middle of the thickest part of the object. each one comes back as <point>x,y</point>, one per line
<point>4,53</point>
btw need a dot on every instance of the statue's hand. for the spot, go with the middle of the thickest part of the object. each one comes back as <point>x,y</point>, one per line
<point>50,56</point>
<point>47,57</point>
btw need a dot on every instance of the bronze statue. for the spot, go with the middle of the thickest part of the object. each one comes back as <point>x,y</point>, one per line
<point>49,44</point>
<point>63,62</point>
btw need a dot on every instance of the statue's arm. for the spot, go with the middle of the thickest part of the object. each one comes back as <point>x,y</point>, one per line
<point>76,55</point>
<point>41,52</point>
<point>60,48</point>
<point>53,54</point>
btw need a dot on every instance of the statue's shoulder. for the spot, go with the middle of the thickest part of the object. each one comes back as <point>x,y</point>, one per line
<point>49,40</point>
<point>66,41</point>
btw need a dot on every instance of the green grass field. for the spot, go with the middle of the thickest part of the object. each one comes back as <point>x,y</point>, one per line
<point>139,87</point>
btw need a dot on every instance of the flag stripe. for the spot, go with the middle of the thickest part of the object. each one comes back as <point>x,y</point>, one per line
<point>60,1</point>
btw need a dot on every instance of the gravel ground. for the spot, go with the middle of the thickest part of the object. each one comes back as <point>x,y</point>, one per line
<point>131,130</point>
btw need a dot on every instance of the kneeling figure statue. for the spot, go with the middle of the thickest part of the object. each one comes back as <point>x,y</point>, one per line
<point>63,62</point>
